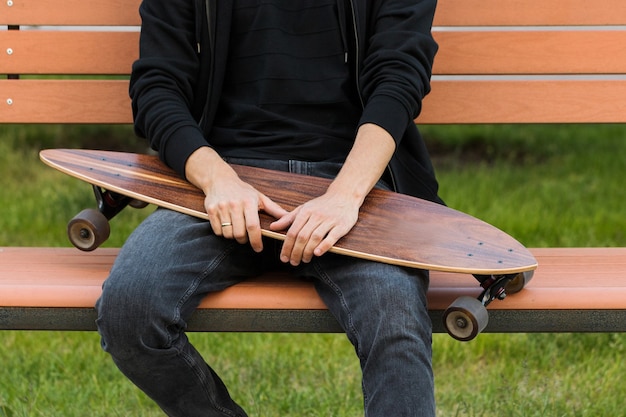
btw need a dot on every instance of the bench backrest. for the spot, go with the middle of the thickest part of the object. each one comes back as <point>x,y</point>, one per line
<point>500,61</point>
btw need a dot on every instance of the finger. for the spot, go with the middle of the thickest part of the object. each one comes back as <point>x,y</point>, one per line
<point>214,219</point>
<point>252,225</point>
<point>284,221</point>
<point>270,207</point>
<point>226,229</point>
<point>290,241</point>
<point>327,243</point>
<point>320,241</point>
<point>231,220</point>
<point>237,228</point>
<point>222,220</point>
<point>300,245</point>
<point>216,226</point>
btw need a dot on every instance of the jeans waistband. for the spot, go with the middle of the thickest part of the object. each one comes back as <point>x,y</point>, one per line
<point>319,169</point>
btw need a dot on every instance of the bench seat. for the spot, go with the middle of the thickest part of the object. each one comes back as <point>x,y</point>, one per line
<point>573,290</point>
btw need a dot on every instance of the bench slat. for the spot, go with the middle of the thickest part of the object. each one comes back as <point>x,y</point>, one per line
<point>451,101</point>
<point>594,278</point>
<point>70,12</point>
<point>464,52</point>
<point>574,290</point>
<point>525,101</point>
<point>68,52</point>
<point>64,101</point>
<point>531,52</point>
<point>529,12</point>
<point>449,12</point>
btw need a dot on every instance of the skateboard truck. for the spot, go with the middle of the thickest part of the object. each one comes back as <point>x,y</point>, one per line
<point>90,228</point>
<point>466,317</point>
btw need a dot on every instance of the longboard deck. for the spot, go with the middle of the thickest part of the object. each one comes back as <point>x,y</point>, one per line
<point>392,228</point>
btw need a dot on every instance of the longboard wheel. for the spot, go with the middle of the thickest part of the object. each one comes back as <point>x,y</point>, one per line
<point>519,282</point>
<point>88,229</point>
<point>465,318</point>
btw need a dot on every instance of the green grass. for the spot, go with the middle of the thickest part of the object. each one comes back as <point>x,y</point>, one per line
<point>546,185</point>
<point>36,202</point>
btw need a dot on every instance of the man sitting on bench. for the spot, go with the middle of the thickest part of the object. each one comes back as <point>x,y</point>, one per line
<point>321,87</point>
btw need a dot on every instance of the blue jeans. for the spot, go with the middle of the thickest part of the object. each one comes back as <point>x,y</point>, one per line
<point>172,261</point>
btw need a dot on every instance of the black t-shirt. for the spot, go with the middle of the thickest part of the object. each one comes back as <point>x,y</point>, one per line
<point>289,92</point>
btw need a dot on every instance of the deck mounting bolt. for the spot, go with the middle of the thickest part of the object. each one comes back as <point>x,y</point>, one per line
<point>9,51</point>
<point>9,3</point>
<point>9,101</point>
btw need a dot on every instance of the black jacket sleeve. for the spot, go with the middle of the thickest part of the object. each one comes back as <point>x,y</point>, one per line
<point>164,80</point>
<point>397,63</point>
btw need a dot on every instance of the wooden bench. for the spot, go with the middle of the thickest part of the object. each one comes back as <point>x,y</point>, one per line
<point>531,61</point>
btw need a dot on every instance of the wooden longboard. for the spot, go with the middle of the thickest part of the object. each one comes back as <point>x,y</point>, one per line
<point>392,228</point>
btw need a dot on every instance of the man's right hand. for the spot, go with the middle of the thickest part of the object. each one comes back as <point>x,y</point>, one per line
<point>232,205</point>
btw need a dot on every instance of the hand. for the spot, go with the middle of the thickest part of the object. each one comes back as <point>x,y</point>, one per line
<point>316,226</point>
<point>233,207</point>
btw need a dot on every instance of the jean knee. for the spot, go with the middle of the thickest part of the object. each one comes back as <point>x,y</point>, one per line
<point>396,309</point>
<point>400,294</point>
<point>129,324</point>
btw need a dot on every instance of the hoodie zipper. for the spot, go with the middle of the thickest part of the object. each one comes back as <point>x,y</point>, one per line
<point>357,59</point>
<point>341,12</point>
<point>357,56</point>
<point>207,6</point>
<point>211,49</point>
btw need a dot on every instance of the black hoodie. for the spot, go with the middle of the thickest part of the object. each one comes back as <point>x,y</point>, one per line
<point>176,83</point>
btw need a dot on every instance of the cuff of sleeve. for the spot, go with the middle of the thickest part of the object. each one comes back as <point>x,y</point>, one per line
<point>387,113</point>
<point>177,149</point>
